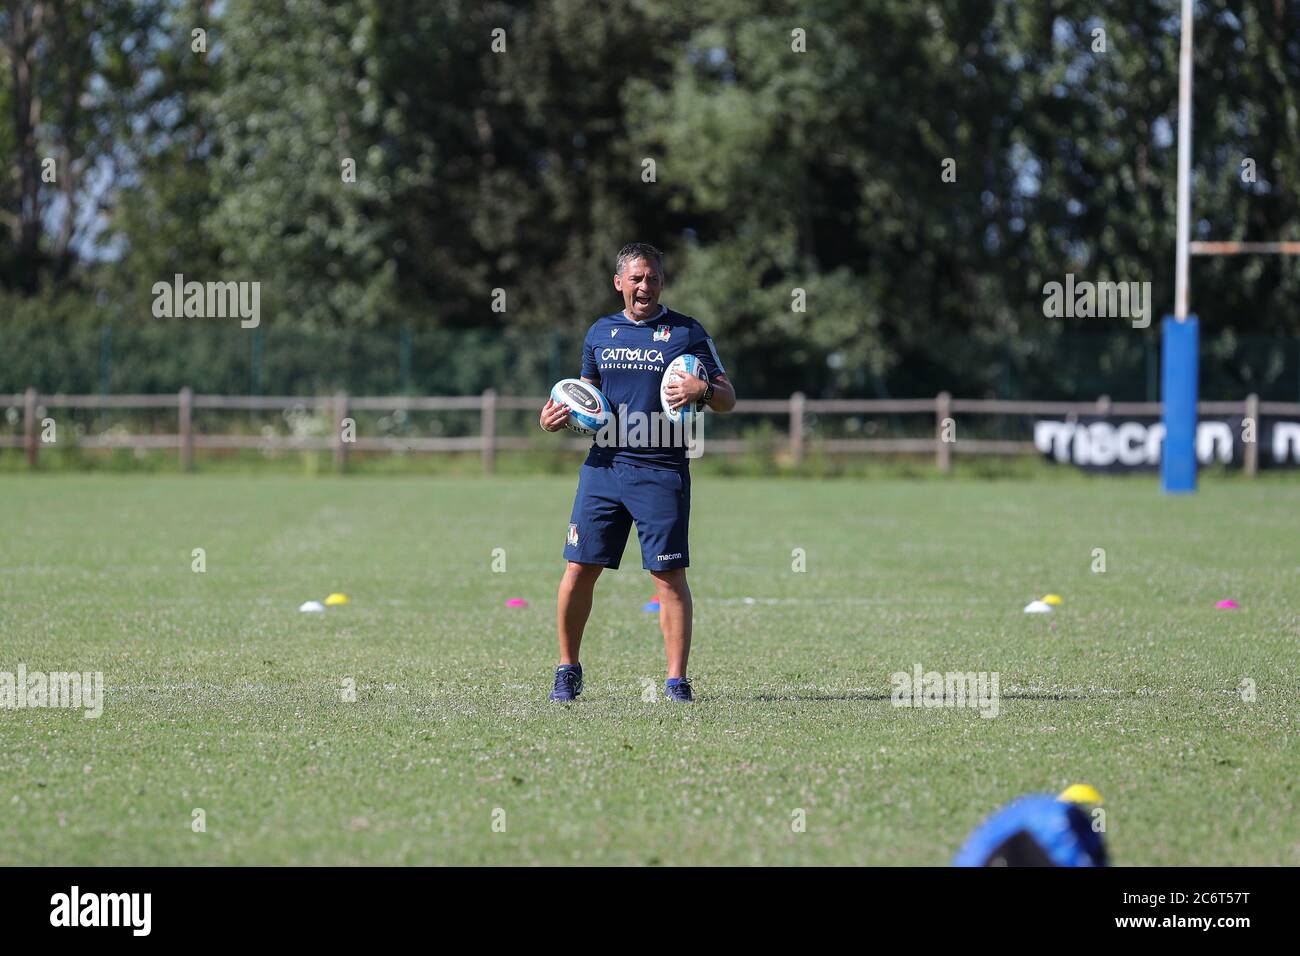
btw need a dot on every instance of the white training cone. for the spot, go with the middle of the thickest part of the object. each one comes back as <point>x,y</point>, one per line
<point>313,607</point>
<point>1038,607</point>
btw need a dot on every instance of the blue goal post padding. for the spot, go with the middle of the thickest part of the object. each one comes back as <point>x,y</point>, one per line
<point>1179,353</point>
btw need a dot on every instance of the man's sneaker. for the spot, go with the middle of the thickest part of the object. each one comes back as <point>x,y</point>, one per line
<point>678,690</point>
<point>568,682</point>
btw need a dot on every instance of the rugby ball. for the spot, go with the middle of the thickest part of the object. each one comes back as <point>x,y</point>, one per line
<point>588,409</point>
<point>683,365</point>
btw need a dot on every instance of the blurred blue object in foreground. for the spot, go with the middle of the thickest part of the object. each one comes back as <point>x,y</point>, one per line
<point>1036,830</point>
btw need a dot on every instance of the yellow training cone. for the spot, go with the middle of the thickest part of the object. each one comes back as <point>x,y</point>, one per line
<point>1052,599</point>
<point>1080,793</point>
<point>335,599</point>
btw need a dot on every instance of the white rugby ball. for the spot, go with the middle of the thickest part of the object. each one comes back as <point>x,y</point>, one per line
<point>588,409</point>
<point>683,365</point>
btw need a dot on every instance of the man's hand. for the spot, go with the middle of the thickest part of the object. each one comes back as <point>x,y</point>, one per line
<point>684,389</point>
<point>554,415</point>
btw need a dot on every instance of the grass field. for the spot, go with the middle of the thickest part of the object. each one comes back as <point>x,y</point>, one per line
<point>221,696</point>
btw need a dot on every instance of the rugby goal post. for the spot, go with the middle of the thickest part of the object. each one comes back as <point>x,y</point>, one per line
<point>1180,333</point>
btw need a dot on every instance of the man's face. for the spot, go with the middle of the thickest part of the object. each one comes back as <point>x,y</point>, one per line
<point>640,282</point>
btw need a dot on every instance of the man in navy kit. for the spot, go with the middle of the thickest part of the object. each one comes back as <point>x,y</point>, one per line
<point>625,355</point>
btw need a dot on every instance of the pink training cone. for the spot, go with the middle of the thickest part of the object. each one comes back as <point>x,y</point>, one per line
<point>516,602</point>
<point>1228,604</point>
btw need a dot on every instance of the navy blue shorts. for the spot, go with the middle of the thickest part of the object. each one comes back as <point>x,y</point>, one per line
<point>611,495</point>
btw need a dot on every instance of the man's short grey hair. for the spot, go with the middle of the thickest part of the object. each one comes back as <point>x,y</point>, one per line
<point>638,250</point>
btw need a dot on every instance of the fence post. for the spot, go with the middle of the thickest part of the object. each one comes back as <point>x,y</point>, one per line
<point>797,404</point>
<point>488,414</point>
<point>29,426</point>
<point>340,446</point>
<point>942,449</point>
<point>187,428</point>
<point>1250,450</point>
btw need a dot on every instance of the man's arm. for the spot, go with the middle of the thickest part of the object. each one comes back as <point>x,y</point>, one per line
<point>689,389</point>
<point>724,394</point>
<point>554,414</point>
<point>721,393</point>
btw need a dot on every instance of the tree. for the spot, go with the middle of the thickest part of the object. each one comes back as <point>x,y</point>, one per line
<point>73,70</point>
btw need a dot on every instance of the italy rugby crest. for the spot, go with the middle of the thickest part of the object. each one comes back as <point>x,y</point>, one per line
<point>573,535</point>
<point>663,333</point>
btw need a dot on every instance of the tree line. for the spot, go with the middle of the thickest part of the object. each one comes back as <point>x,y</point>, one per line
<point>852,196</point>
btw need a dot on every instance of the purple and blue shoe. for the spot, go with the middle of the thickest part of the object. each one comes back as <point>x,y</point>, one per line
<point>678,690</point>
<point>568,683</point>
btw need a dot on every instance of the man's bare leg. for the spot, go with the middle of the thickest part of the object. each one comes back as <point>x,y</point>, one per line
<point>675,614</point>
<point>573,607</point>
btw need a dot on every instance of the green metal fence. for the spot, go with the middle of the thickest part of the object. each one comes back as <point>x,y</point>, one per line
<point>142,357</point>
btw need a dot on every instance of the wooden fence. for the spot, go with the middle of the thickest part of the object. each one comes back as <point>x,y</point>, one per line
<point>488,442</point>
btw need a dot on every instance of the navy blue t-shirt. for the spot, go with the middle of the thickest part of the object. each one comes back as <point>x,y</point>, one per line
<point>626,359</point>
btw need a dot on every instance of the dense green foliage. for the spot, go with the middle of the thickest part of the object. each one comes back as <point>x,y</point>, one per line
<point>794,148</point>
